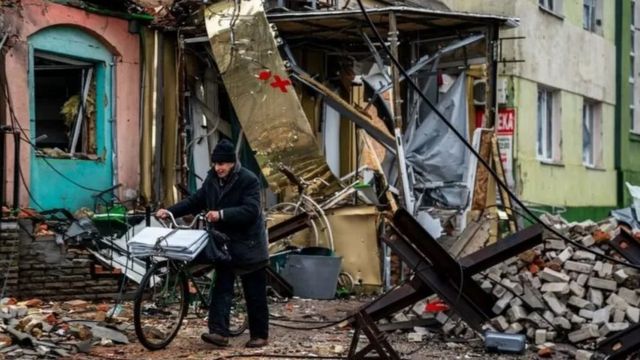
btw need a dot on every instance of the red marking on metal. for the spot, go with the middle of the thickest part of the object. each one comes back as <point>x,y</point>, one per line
<point>264,75</point>
<point>281,84</point>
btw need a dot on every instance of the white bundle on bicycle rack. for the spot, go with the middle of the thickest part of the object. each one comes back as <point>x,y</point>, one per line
<point>179,244</point>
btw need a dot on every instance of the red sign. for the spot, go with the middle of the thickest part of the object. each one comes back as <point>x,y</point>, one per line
<point>506,121</point>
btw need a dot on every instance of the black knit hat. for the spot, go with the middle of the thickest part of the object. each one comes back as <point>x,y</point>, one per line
<point>223,152</point>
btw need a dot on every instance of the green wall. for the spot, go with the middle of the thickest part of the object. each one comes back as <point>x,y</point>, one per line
<point>628,161</point>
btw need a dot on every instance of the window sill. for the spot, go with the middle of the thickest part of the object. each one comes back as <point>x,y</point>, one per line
<point>551,163</point>
<point>551,12</point>
<point>594,167</point>
<point>634,135</point>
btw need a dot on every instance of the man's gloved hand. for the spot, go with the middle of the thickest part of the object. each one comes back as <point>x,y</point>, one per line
<point>213,216</point>
<point>162,214</point>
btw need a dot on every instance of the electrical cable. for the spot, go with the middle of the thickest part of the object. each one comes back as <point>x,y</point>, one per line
<point>485,164</point>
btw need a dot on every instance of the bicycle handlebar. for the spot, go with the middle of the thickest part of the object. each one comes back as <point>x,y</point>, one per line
<point>175,224</point>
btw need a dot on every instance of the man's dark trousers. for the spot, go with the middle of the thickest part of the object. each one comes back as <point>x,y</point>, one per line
<point>254,286</point>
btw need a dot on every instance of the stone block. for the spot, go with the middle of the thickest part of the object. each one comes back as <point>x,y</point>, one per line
<point>620,276</point>
<point>578,320</point>
<point>633,314</point>
<point>587,240</point>
<point>487,286</point>
<point>540,336</point>
<point>515,302</point>
<point>498,291</point>
<point>601,316</point>
<point>583,255</point>
<point>516,313</point>
<point>532,297</point>
<point>606,271</point>
<point>595,296</point>
<point>500,323</point>
<point>538,321</point>
<point>602,284</point>
<point>618,315</point>
<point>514,328</point>
<point>502,303</point>
<point>554,304</point>
<point>578,266</point>
<point>550,275</point>
<point>580,303</point>
<point>415,337</point>
<point>555,287</point>
<point>587,314</point>
<point>597,267</point>
<point>565,254</point>
<point>588,332</point>
<point>512,285</point>
<point>536,283</point>
<point>582,279</point>
<point>576,289</point>
<point>583,355</point>
<point>562,322</point>
<point>617,301</point>
<point>552,244</point>
<point>630,296</point>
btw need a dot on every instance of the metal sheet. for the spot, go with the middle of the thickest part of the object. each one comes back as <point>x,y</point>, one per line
<point>263,97</point>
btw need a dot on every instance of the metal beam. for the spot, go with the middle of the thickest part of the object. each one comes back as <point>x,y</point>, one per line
<point>627,246</point>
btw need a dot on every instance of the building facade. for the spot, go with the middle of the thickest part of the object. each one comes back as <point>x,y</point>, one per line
<point>559,72</point>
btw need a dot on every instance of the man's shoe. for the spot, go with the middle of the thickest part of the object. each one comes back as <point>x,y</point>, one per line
<point>215,339</point>
<point>256,343</point>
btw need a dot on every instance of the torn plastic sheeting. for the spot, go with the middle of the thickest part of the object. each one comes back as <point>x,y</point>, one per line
<point>635,194</point>
<point>434,153</point>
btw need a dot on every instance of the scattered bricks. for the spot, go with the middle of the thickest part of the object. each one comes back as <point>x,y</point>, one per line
<point>595,296</point>
<point>554,264</point>
<point>553,244</point>
<point>553,276</point>
<point>608,328</point>
<point>487,286</point>
<point>597,267</point>
<point>448,327</point>
<point>577,266</point>
<point>562,322</point>
<point>548,315</point>
<point>620,276</point>
<point>630,296</point>
<point>556,306</point>
<point>531,333</point>
<point>587,314</point>
<point>576,289</point>
<point>502,303</point>
<point>498,291</point>
<point>516,313</point>
<point>580,303</point>
<point>583,255</point>
<point>603,284</point>
<point>540,336</point>
<point>515,302</point>
<point>565,254</point>
<point>583,355</point>
<point>551,335</point>
<point>528,256</point>
<point>578,320</point>
<point>532,297</point>
<point>601,316</point>
<point>538,320</point>
<point>587,241</point>
<point>414,337</point>
<point>533,268</point>
<point>617,302</point>
<point>582,279</point>
<point>587,332</point>
<point>500,323</point>
<point>512,270</point>
<point>633,314</point>
<point>75,305</point>
<point>555,287</point>
<point>535,283</point>
<point>442,317</point>
<point>512,285</point>
<point>514,328</point>
<point>619,315</point>
<point>606,271</point>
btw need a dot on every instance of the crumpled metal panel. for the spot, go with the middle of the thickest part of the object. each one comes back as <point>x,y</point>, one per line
<point>263,97</point>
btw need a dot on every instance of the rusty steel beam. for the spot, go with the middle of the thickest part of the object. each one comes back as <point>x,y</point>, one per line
<point>627,246</point>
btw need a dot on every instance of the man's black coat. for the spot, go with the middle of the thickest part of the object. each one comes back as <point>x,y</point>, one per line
<point>242,221</point>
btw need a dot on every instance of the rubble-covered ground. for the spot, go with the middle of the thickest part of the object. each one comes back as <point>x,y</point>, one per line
<point>89,340</point>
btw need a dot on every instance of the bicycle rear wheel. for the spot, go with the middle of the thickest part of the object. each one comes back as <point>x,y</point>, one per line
<point>238,318</point>
<point>160,305</point>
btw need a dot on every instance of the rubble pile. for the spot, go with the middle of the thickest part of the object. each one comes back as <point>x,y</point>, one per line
<point>33,329</point>
<point>558,292</point>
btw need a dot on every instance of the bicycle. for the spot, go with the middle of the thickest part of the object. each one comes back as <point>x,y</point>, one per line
<point>166,292</point>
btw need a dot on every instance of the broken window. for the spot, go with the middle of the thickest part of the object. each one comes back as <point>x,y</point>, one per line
<point>591,134</point>
<point>65,105</point>
<point>548,139</point>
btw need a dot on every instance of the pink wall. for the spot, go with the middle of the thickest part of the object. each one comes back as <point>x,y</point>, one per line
<point>35,15</point>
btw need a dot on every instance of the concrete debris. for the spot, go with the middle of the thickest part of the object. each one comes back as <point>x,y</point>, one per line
<point>569,294</point>
<point>33,329</point>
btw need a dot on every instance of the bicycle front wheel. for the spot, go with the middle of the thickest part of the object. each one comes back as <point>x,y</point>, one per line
<point>160,305</point>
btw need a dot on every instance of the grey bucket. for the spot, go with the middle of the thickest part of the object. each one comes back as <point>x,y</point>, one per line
<point>313,276</point>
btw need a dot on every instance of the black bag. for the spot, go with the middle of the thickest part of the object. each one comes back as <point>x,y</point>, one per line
<point>216,250</point>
